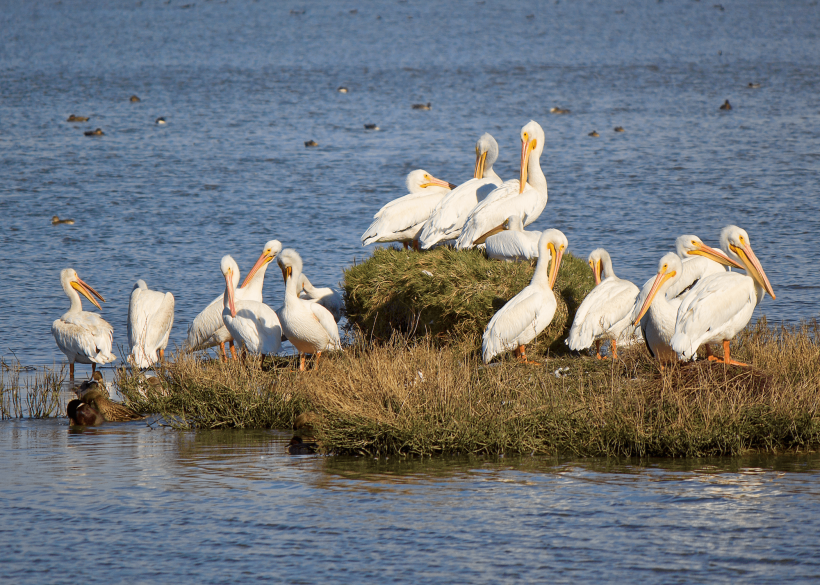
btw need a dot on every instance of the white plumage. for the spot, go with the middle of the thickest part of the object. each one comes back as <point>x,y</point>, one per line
<point>721,305</point>
<point>525,197</point>
<point>529,312</point>
<point>657,313</point>
<point>82,336</point>
<point>327,297</point>
<point>448,218</point>
<point>606,311</point>
<point>308,326</point>
<point>252,324</point>
<point>402,219</point>
<point>208,329</point>
<point>150,318</point>
<point>513,244</point>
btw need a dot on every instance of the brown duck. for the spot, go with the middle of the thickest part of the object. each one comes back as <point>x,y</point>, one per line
<point>95,408</point>
<point>73,118</point>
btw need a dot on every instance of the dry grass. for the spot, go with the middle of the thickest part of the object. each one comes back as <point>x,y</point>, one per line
<point>415,397</point>
<point>37,396</point>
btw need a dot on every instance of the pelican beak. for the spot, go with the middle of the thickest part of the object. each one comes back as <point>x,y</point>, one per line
<point>433,182</point>
<point>527,147</point>
<point>263,260</point>
<point>480,161</point>
<point>229,287</point>
<point>752,267</point>
<point>555,264</point>
<point>659,280</point>
<point>716,255</point>
<point>87,291</point>
<point>286,272</point>
<point>596,270</point>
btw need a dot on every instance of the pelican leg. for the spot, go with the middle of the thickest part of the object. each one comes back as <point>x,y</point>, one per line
<point>727,359</point>
<point>301,362</point>
<point>522,356</point>
<point>233,350</point>
<point>93,368</point>
<point>71,371</point>
<point>224,352</point>
<point>710,356</point>
<point>316,364</point>
<point>405,245</point>
<point>416,246</point>
<point>162,355</point>
<point>598,349</point>
<point>614,349</point>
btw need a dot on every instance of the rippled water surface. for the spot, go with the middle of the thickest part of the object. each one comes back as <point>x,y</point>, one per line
<point>131,504</point>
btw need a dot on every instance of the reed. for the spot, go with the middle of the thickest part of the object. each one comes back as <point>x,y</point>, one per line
<point>37,396</point>
<point>412,396</point>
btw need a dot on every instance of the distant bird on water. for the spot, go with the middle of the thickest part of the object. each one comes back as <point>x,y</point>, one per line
<point>559,111</point>
<point>73,118</point>
<point>726,105</point>
<point>754,86</point>
<point>371,127</point>
<point>342,89</point>
<point>57,221</point>
<point>594,134</point>
<point>310,143</point>
<point>427,106</point>
<point>97,132</point>
<point>619,129</point>
<point>135,99</point>
<point>161,121</point>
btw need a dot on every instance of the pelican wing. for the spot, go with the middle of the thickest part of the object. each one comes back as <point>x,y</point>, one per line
<point>606,308</point>
<point>401,214</point>
<point>513,245</point>
<point>325,318</point>
<point>256,327</point>
<point>708,306</point>
<point>449,216</point>
<point>202,332</point>
<point>150,318</point>
<point>518,322</point>
<point>497,207</point>
<point>694,269</point>
<point>86,336</point>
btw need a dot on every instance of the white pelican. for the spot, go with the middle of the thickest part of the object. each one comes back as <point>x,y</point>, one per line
<point>606,311</point>
<point>659,326</point>
<point>150,318</point>
<point>513,243</point>
<point>721,305</point>
<point>448,219</point>
<point>208,329</point>
<point>308,326</point>
<point>525,197</point>
<point>529,312</point>
<point>401,220</point>
<point>82,336</point>
<point>325,296</point>
<point>253,324</point>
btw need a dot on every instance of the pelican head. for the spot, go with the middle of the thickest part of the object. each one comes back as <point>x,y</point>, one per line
<point>486,153</point>
<point>290,262</point>
<point>689,245</point>
<point>70,280</point>
<point>419,180</point>
<point>735,242</point>
<point>230,270</point>
<point>269,253</point>
<point>551,246</point>
<point>669,267</point>
<point>532,141</point>
<point>599,260</point>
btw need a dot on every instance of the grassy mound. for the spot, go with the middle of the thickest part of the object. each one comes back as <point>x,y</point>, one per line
<point>451,294</point>
<point>414,396</point>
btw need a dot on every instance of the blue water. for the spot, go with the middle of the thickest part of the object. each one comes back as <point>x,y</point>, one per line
<point>242,85</point>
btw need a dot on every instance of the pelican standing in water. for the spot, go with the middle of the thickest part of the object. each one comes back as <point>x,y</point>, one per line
<point>448,219</point>
<point>208,329</point>
<point>606,311</point>
<point>529,312</point>
<point>252,324</point>
<point>150,318</point>
<point>721,305</point>
<point>525,197</point>
<point>308,326</point>
<point>401,220</point>
<point>82,336</point>
<point>513,243</point>
<point>325,296</point>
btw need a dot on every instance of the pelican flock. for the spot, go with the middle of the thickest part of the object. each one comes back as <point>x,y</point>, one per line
<point>697,296</point>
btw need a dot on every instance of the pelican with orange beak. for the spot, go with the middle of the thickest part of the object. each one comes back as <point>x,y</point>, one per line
<point>402,219</point>
<point>531,311</point>
<point>448,218</point>
<point>659,325</point>
<point>252,324</point>
<point>525,197</point>
<point>82,336</point>
<point>720,306</point>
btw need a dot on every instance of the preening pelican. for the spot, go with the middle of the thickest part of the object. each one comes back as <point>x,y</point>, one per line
<point>208,329</point>
<point>513,243</point>
<point>401,220</point>
<point>252,324</point>
<point>606,311</point>
<point>448,218</point>
<point>150,318</point>
<point>325,296</point>
<point>659,325</point>
<point>82,336</point>
<point>721,305</point>
<point>525,197</point>
<point>308,326</point>
<point>529,312</point>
